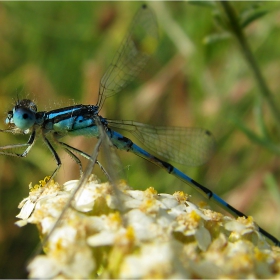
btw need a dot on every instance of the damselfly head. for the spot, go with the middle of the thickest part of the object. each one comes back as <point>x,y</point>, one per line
<point>23,115</point>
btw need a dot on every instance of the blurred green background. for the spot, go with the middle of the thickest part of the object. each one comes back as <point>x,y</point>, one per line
<point>56,52</point>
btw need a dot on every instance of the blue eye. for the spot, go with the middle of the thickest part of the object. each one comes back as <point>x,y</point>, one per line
<point>23,118</point>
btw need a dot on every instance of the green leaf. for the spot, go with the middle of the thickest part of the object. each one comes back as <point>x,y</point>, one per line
<point>216,37</point>
<point>252,136</point>
<point>247,20</point>
<point>252,13</point>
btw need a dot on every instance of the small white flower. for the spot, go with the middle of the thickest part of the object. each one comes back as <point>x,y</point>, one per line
<point>43,267</point>
<point>27,207</point>
<point>156,260</point>
<point>203,238</point>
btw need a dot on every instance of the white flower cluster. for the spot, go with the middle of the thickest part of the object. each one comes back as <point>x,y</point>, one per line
<point>118,232</point>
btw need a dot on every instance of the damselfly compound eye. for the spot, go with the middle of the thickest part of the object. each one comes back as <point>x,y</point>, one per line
<point>23,118</point>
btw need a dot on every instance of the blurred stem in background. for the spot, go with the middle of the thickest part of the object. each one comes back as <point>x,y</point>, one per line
<point>235,25</point>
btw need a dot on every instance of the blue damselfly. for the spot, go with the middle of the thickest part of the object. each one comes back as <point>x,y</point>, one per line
<point>188,146</point>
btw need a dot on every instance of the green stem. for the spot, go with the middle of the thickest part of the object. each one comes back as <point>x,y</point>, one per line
<point>237,31</point>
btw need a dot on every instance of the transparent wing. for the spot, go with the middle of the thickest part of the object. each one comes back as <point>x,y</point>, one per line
<point>188,146</point>
<point>136,48</point>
